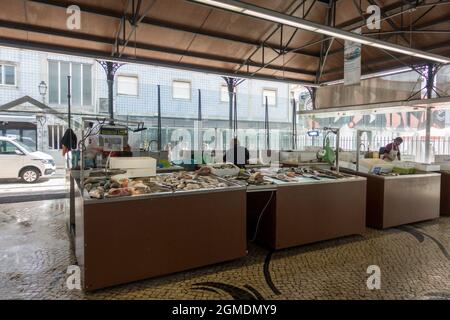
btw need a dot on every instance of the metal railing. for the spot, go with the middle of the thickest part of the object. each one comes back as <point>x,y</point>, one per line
<point>414,147</point>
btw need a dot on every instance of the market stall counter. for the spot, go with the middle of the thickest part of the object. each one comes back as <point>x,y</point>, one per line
<point>298,208</point>
<point>445,192</point>
<point>394,200</point>
<point>124,238</point>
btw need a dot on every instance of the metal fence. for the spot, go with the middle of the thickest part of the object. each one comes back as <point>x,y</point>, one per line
<point>283,140</point>
<point>414,147</point>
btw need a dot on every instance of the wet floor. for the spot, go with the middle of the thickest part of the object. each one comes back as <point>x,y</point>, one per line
<point>414,262</point>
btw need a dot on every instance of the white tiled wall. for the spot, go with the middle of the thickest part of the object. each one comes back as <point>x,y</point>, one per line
<point>250,99</point>
<point>32,68</point>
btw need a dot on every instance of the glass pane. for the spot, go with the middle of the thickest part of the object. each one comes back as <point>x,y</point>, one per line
<point>9,148</point>
<point>29,138</point>
<point>55,137</point>
<point>87,85</point>
<point>76,84</point>
<point>65,72</point>
<point>182,90</point>
<point>127,85</point>
<point>13,133</point>
<point>50,134</point>
<point>61,133</point>
<point>271,97</point>
<point>53,82</point>
<point>10,75</point>
<point>224,95</point>
<point>443,79</point>
<point>1,74</point>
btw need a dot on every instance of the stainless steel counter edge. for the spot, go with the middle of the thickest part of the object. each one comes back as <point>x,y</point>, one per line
<point>89,200</point>
<point>404,176</point>
<point>262,188</point>
<point>340,180</point>
<point>249,189</point>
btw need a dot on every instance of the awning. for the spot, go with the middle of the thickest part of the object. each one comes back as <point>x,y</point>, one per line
<point>379,108</point>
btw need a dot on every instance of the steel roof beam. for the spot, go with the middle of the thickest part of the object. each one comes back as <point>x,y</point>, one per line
<point>277,17</point>
<point>168,25</point>
<point>97,54</point>
<point>388,19</point>
<point>421,27</point>
<point>267,37</point>
<point>283,51</point>
<point>390,12</point>
<point>135,21</point>
<point>325,46</point>
<point>109,41</point>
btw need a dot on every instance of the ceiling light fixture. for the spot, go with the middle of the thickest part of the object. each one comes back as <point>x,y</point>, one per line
<point>220,4</point>
<point>426,56</point>
<point>277,17</point>
<point>390,48</point>
<point>372,75</point>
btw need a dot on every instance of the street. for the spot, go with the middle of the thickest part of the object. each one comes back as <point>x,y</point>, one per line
<point>13,190</point>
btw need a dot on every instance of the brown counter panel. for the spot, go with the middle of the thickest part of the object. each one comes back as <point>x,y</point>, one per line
<point>316,212</point>
<point>133,240</point>
<point>445,193</point>
<point>395,201</point>
<point>411,200</point>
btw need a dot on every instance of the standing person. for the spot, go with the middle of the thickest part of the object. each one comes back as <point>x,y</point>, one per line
<point>69,142</point>
<point>237,154</point>
<point>392,151</point>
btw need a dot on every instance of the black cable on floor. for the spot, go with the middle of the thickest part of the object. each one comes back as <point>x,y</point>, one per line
<point>260,216</point>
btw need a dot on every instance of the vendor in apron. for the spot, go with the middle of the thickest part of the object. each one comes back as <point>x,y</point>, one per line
<point>392,150</point>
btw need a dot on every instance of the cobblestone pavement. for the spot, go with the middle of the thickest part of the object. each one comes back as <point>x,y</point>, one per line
<point>414,260</point>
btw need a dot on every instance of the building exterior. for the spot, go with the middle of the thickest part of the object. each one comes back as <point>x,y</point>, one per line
<point>135,96</point>
<point>22,73</point>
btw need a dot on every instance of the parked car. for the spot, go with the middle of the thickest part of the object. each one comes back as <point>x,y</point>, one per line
<point>19,161</point>
<point>29,142</point>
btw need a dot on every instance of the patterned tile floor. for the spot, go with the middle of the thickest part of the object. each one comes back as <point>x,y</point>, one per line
<point>414,261</point>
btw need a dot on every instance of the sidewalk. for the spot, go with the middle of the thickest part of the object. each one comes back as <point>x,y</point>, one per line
<point>12,190</point>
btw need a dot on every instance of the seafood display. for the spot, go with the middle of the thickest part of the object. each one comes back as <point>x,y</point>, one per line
<point>252,177</point>
<point>221,166</point>
<point>267,176</point>
<point>291,174</point>
<point>110,187</point>
<point>224,169</point>
<point>100,187</point>
<point>186,181</point>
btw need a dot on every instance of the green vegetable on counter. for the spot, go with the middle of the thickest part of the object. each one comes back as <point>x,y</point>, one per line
<point>403,171</point>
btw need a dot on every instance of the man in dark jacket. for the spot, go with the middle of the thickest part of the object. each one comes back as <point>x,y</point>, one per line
<point>237,154</point>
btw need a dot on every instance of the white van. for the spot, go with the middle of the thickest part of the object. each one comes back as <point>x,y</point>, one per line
<point>18,161</point>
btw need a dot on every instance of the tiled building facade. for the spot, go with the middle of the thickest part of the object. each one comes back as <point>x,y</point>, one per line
<point>22,71</point>
<point>32,67</point>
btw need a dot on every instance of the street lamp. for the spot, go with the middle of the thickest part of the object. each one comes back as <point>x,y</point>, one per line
<point>43,90</point>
